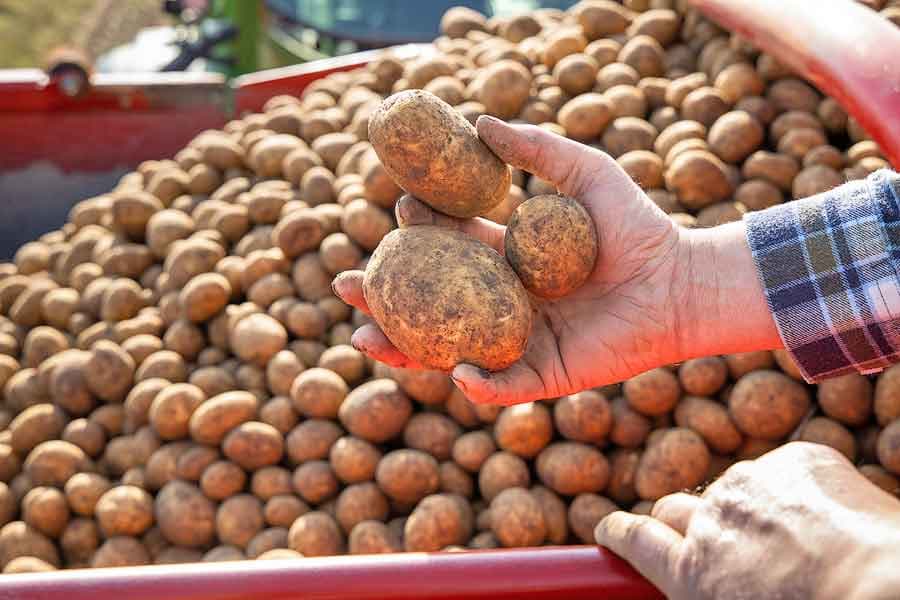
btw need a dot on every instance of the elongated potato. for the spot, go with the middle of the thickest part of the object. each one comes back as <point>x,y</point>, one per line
<point>444,298</point>
<point>434,153</point>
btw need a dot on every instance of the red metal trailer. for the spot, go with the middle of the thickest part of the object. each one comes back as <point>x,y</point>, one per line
<point>61,149</point>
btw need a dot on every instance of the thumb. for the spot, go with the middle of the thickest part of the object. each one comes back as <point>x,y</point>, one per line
<point>649,545</point>
<point>575,169</point>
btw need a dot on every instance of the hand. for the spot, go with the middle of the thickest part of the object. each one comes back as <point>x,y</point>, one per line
<point>637,310</point>
<point>799,522</point>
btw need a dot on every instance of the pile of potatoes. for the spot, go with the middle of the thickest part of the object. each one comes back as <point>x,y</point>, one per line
<point>177,379</point>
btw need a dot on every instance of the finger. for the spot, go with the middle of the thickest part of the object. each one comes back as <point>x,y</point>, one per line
<point>513,385</point>
<point>372,342</point>
<point>575,169</point>
<point>411,211</point>
<point>676,510</point>
<point>650,546</point>
<point>348,286</point>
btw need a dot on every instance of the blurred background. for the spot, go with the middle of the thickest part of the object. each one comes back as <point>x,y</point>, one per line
<point>232,37</point>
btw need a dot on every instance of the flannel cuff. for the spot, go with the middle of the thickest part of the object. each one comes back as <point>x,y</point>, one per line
<point>829,268</point>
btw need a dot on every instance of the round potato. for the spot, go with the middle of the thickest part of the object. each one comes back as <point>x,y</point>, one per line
<point>549,221</point>
<point>490,308</point>
<point>517,518</point>
<point>432,152</point>
<point>768,404</point>
<point>677,461</point>
<point>571,468</point>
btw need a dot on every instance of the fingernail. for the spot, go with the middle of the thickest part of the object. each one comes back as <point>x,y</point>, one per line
<point>489,119</point>
<point>356,345</point>
<point>466,371</point>
<point>461,385</point>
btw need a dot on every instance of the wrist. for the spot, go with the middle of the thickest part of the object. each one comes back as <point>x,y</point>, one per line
<point>723,308</point>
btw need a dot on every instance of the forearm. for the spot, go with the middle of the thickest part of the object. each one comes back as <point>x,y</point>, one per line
<point>725,309</point>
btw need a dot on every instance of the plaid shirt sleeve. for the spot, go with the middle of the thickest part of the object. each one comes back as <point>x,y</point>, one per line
<point>830,267</point>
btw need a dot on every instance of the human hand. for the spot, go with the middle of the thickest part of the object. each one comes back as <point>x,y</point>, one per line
<point>637,309</point>
<point>799,522</point>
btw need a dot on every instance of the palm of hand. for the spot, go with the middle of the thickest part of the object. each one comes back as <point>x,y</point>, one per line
<point>616,325</point>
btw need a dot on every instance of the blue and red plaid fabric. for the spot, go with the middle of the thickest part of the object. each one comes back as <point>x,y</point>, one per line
<point>830,267</point>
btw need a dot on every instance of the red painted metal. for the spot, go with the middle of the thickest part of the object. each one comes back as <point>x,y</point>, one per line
<point>845,49</point>
<point>563,573</point>
<point>120,121</point>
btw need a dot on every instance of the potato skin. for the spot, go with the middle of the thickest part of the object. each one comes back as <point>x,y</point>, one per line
<point>434,153</point>
<point>556,222</point>
<point>443,298</point>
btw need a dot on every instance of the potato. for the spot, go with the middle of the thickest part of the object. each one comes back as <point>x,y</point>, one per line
<point>283,510</point>
<point>360,502</point>
<point>558,221</point>
<point>223,553</point>
<point>644,167</point>
<point>477,333</point>
<point>124,510</point>
<point>653,393</point>
<point>45,509</point>
<point>524,429</point>
<point>257,337</point>
<point>586,116</point>
<point>576,73</point>
<point>120,551</point>
<point>365,223</point>
<point>431,433</point>
<point>79,540</point>
<point>570,468</point>
<point>238,520</point>
<point>373,537</point>
<point>54,462</point>
<point>703,376</point>
<point>222,479</point>
<point>630,428</point>
<point>404,122</point>
<point>711,420</point>
<point>172,408</point>
<point>472,449</point>
<point>252,445</point>
<point>298,232</point>
<point>84,490</point>
<point>644,54</point>
<point>822,430</point>
<point>109,371</point>
<point>699,179</point>
<point>735,135</point>
<point>586,512</point>
<point>520,27</point>
<point>18,539</point>
<point>315,481</point>
<point>407,475</point>
<point>847,398</point>
<point>185,517</point>
<point>758,194</point>
<point>318,392</point>
<point>745,362</point>
<point>503,88</point>
<point>459,20</point>
<point>36,424</point>
<point>348,362</point>
<point>767,404</point>
<point>583,417</point>
<point>316,534</point>
<point>886,448</point>
<point>815,179</point>
<point>204,296</point>
<point>677,461</point>
<point>311,440</point>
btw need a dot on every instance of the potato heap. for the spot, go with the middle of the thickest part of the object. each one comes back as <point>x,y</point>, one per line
<point>177,380</point>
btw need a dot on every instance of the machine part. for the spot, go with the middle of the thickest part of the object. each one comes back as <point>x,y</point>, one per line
<point>563,572</point>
